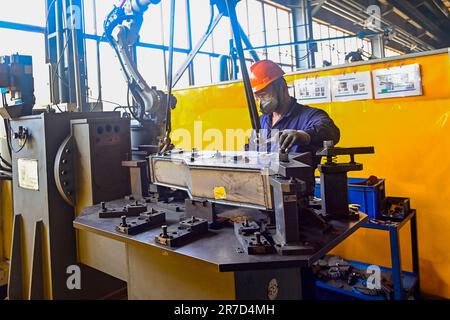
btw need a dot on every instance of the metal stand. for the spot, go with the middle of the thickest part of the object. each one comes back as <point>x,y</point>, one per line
<point>394,230</point>
<point>333,177</point>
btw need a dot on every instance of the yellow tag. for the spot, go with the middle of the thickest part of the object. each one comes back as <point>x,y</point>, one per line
<point>220,193</point>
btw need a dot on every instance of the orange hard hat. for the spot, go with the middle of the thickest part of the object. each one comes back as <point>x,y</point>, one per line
<point>263,73</point>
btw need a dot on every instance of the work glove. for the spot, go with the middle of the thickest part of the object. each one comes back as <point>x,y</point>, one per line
<point>290,137</point>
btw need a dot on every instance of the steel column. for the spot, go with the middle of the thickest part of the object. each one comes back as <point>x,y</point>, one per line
<point>302,21</point>
<point>377,43</point>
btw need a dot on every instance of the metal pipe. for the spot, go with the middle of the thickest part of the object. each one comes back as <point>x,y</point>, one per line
<point>231,6</point>
<point>62,90</point>
<point>21,27</point>
<point>263,10</point>
<point>315,40</point>
<point>248,44</point>
<point>223,69</point>
<point>170,74</point>
<point>97,47</point>
<point>196,49</point>
<point>76,66</point>
<point>311,58</point>
<point>189,39</point>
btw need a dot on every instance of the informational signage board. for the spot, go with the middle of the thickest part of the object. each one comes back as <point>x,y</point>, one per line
<point>312,90</point>
<point>352,86</point>
<point>402,81</point>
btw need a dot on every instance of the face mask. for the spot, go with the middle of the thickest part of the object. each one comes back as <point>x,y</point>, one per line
<point>269,105</point>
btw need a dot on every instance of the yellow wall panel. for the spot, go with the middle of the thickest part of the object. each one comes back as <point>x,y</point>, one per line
<point>411,136</point>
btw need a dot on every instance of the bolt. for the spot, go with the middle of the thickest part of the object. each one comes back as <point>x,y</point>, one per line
<point>124,221</point>
<point>164,231</point>
<point>103,206</point>
<point>193,219</point>
<point>257,235</point>
<point>63,172</point>
<point>67,150</point>
<point>246,224</point>
<point>64,161</point>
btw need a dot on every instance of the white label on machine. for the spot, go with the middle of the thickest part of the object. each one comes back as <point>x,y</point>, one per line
<point>402,81</point>
<point>28,174</point>
<point>312,90</point>
<point>352,86</point>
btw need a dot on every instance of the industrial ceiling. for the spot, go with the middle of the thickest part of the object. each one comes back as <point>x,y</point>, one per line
<point>416,25</point>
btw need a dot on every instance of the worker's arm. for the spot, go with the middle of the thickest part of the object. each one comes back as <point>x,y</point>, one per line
<point>319,127</point>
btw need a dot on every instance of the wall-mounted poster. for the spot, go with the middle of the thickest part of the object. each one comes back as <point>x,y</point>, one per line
<point>352,86</point>
<point>400,81</point>
<point>312,90</point>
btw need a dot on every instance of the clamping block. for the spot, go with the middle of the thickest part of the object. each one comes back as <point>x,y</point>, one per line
<point>186,231</point>
<point>144,222</point>
<point>131,210</point>
<point>251,239</point>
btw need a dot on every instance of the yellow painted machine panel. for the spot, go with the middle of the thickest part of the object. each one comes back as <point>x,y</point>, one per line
<point>6,218</point>
<point>411,136</point>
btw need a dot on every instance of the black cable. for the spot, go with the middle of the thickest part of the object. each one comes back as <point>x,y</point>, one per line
<point>5,161</point>
<point>129,105</point>
<point>6,124</point>
<point>90,97</point>
<point>9,131</point>
<point>2,168</point>
<point>20,149</point>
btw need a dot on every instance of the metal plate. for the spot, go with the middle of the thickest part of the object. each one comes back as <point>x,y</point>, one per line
<point>28,173</point>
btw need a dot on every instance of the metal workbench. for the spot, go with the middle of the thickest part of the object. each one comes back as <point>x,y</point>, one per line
<point>219,248</point>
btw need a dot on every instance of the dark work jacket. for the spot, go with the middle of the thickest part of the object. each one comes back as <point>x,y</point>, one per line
<point>313,121</point>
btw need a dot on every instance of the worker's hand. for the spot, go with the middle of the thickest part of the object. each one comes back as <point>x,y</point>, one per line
<point>288,138</point>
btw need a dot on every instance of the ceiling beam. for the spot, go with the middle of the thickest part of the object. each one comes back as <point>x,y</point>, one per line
<point>415,14</point>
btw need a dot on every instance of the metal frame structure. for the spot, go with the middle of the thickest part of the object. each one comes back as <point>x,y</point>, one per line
<point>66,54</point>
<point>394,241</point>
<point>81,93</point>
<point>52,5</point>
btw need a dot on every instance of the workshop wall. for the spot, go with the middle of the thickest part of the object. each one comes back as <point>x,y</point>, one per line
<point>412,150</point>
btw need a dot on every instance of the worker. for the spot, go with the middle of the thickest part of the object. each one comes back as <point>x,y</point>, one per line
<point>301,128</point>
<point>354,56</point>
